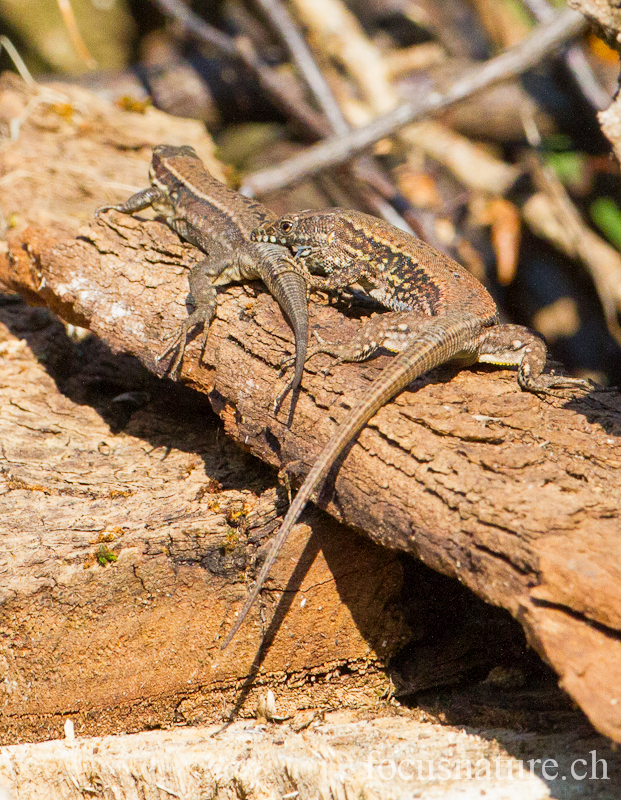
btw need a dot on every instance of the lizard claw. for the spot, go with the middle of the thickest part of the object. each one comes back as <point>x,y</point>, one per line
<point>285,364</point>
<point>103,209</point>
<point>178,340</point>
<point>173,369</point>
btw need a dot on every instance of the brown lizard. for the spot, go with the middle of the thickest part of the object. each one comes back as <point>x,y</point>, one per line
<point>441,313</point>
<point>218,220</point>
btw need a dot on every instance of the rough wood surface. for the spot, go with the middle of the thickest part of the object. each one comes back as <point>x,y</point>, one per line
<point>101,460</point>
<point>606,15</point>
<point>515,496</point>
<point>123,557</point>
<point>339,755</point>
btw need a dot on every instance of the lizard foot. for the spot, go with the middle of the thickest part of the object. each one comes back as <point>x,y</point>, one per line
<point>321,347</point>
<point>550,384</point>
<point>201,316</point>
<point>178,341</point>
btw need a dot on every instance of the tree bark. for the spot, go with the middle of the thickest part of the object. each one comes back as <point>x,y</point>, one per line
<point>515,496</point>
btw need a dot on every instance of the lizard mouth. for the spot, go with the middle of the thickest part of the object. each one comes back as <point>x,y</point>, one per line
<point>267,237</point>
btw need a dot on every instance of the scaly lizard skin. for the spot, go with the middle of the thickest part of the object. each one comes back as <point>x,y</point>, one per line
<point>441,313</point>
<point>218,220</point>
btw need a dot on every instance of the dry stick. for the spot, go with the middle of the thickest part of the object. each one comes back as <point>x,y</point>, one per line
<point>303,58</point>
<point>575,60</point>
<point>545,38</point>
<point>242,48</point>
<point>73,30</point>
<point>273,85</point>
<point>197,27</point>
<point>580,242</point>
<point>586,79</point>
<point>375,186</point>
<point>200,30</point>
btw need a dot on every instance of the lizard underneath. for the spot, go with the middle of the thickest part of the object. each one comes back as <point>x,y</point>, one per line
<point>440,313</point>
<point>218,220</point>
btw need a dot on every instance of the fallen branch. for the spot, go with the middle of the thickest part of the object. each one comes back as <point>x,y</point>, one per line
<point>514,496</point>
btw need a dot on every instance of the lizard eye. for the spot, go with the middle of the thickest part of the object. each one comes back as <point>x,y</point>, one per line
<point>286,226</point>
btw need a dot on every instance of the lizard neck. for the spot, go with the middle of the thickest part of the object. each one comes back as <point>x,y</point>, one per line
<point>191,189</point>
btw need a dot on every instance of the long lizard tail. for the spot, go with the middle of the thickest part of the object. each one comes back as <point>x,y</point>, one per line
<point>285,281</point>
<point>291,292</point>
<point>444,338</point>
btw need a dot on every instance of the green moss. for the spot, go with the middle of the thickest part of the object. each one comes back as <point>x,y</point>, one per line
<point>105,556</point>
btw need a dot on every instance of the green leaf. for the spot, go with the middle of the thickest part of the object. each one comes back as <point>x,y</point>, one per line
<point>606,214</point>
<point>568,166</point>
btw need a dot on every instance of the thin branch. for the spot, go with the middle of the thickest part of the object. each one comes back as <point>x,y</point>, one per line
<point>17,60</point>
<point>276,88</point>
<point>243,48</point>
<point>73,29</point>
<point>552,214</point>
<point>279,90</point>
<point>544,39</point>
<point>197,27</point>
<point>380,189</point>
<point>586,79</point>
<point>303,58</point>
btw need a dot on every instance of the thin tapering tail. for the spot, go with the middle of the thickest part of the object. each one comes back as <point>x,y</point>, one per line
<point>444,338</point>
<point>290,290</point>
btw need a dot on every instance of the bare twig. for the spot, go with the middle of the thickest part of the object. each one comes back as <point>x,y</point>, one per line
<point>69,19</point>
<point>575,60</point>
<point>552,215</point>
<point>474,166</point>
<point>17,60</point>
<point>273,84</point>
<point>197,27</point>
<point>380,189</point>
<point>303,58</point>
<point>338,32</point>
<point>544,39</point>
<point>416,57</point>
<point>586,79</point>
<point>242,48</point>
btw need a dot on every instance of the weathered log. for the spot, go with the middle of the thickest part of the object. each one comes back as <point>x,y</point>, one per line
<point>515,496</point>
<point>124,551</point>
<point>344,754</point>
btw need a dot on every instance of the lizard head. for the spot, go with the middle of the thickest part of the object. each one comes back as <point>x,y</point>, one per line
<point>165,154</point>
<point>305,232</point>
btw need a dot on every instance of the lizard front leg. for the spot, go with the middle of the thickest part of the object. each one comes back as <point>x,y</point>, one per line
<point>391,331</point>
<point>203,278</point>
<point>204,298</point>
<point>137,202</point>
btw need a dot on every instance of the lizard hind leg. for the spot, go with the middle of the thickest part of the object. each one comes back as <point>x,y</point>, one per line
<point>507,345</point>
